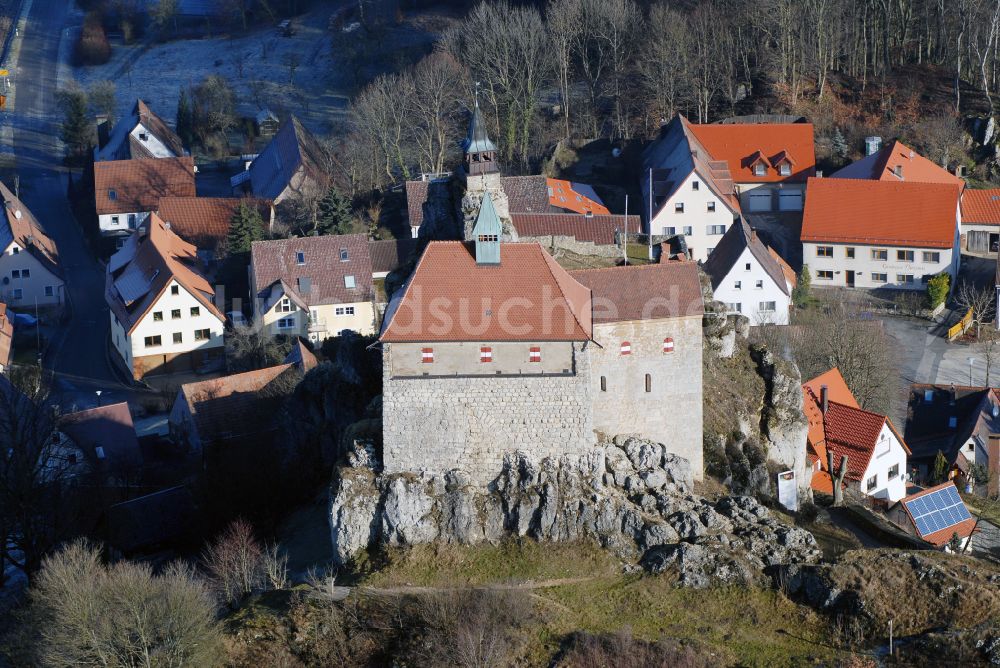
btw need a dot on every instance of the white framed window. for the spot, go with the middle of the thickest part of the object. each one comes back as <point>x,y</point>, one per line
<point>669,231</point>
<point>17,293</point>
<point>344,310</point>
<point>152,341</point>
<point>878,277</point>
<point>175,289</point>
<point>678,207</point>
<point>759,284</point>
<point>824,275</point>
<point>734,307</point>
<point>893,471</point>
<point>344,256</point>
<point>711,206</point>
<point>904,255</point>
<point>880,254</point>
<point>849,253</point>
<point>738,285</point>
<point>824,251</point>
<point>785,169</point>
<point>688,230</point>
<point>115,220</point>
<point>50,290</point>
<point>932,256</point>
<point>285,305</point>
<point>178,337</point>
<point>904,278</point>
<point>760,169</point>
<point>206,334</point>
<point>716,229</point>
<point>767,306</point>
<point>300,257</point>
<point>16,273</point>
<point>286,323</point>
<point>872,482</point>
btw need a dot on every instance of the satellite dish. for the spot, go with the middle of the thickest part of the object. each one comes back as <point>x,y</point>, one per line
<point>616,152</point>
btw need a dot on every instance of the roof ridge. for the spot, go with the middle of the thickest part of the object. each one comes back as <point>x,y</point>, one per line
<point>551,264</point>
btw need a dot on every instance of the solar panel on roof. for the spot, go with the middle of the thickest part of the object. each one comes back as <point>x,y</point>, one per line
<point>938,510</point>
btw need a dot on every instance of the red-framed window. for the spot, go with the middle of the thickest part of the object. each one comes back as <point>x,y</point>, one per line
<point>626,348</point>
<point>535,354</point>
<point>668,345</point>
<point>427,355</point>
<point>485,354</point>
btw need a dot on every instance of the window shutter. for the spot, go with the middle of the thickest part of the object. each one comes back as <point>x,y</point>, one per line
<point>485,354</point>
<point>626,348</point>
<point>535,354</point>
<point>668,345</point>
<point>427,355</point>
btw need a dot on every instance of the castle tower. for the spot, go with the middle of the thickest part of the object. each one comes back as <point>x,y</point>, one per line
<point>482,176</point>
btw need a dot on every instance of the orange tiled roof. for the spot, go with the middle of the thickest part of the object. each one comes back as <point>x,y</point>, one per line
<point>740,144</point>
<point>943,536</point>
<point>527,297</point>
<point>133,186</point>
<point>981,206</point>
<point>922,215</point>
<point>786,269</point>
<point>838,391</point>
<point>897,162</point>
<point>563,195</point>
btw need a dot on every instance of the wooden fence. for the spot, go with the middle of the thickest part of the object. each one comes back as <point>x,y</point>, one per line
<point>960,327</point>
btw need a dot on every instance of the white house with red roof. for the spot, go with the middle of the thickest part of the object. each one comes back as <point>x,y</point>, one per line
<point>876,453</point>
<point>981,220</point>
<point>880,233</point>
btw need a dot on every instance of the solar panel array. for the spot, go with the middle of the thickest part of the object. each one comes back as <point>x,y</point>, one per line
<point>937,510</point>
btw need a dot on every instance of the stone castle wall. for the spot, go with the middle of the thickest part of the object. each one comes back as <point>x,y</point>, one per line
<point>440,424</point>
<point>671,412</point>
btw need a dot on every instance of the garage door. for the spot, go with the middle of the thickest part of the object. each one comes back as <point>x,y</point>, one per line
<point>760,201</point>
<point>790,201</point>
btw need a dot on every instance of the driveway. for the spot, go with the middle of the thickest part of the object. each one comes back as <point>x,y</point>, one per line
<point>78,352</point>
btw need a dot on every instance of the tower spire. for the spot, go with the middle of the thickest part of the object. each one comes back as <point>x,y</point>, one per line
<point>480,151</point>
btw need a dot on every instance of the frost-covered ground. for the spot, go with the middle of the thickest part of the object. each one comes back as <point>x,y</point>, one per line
<point>255,64</point>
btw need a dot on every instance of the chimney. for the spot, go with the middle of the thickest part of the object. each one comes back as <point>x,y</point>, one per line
<point>993,464</point>
<point>824,399</point>
<point>753,234</point>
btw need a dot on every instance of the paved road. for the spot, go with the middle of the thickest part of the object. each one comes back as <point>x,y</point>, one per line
<point>78,351</point>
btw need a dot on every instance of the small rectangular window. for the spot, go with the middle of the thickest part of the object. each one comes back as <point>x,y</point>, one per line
<point>688,230</point>
<point>678,207</point>
<point>152,341</point>
<point>669,231</point>
<point>694,185</point>
<point>738,285</point>
<point>768,306</point>
<point>16,273</point>
<point>195,311</point>
<point>904,255</point>
<point>904,278</point>
<point>824,275</point>
<point>760,169</point>
<point>114,220</point>
<point>349,282</point>
<point>284,323</point>
<point>178,337</point>
<point>175,290</point>
<point>175,314</point>
<point>300,257</point>
<point>928,396</point>
<point>17,293</point>
<point>206,334</point>
<point>535,354</point>
<point>25,273</point>
<point>157,316</point>
<point>343,255</point>
<point>604,384</point>
<point>824,251</point>
<point>880,254</point>
<point>879,277</point>
<point>50,290</point>
<point>849,253</point>
<point>716,229</point>
<point>873,482</point>
<point>759,284</point>
<point>711,206</point>
<point>932,257</point>
<point>893,471</point>
<point>649,383</point>
<point>785,169</point>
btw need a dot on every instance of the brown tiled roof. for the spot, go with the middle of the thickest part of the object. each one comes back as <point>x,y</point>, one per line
<point>27,232</point>
<point>204,221</point>
<point>643,292</point>
<point>598,229</point>
<point>292,147</point>
<point>236,405</point>
<point>388,254</point>
<point>527,194</point>
<point>416,195</point>
<point>301,356</point>
<point>143,268</point>
<point>123,146</point>
<point>527,297</point>
<point>274,263</point>
<point>6,335</point>
<point>857,211</point>
<point>108,427</point>
<point>138,185</point>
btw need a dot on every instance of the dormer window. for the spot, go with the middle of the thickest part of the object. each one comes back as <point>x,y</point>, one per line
<point>785,169</point>
<point>759,169</point>
<point>343,255</point>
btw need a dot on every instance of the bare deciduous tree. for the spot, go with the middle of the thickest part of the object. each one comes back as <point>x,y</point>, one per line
<point>981,300</point>
<point>234,562</point>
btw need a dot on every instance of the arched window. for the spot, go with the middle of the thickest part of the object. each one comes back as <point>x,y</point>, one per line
<point>649,383</point>
<point>604,384</point>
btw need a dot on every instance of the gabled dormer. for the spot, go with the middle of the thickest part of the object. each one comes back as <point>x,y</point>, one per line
<point>783,163</point>
<point>487,232</point>
<point>758,163</point>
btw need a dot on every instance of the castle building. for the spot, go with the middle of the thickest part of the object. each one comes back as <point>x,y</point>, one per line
<point>492,347</point>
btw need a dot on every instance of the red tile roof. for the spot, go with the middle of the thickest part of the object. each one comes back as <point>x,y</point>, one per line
<point>981,206</point>
<point>597,229</point>
<point>527,297</point>
<point>921,215</point>
<point>852,432</point>
<point>109,427</point>
<point>204,221</point>
<point>575,197</point>
<point>416,195</point>
<point>739,143</point>
<point>644,292</point>
<point>884,163</point>
<point>23,228</point>
<point>941,537</point>
<point>275,262</point>
<point>131,186</point>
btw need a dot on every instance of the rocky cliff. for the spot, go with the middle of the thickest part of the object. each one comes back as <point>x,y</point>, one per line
<point>630,495</point>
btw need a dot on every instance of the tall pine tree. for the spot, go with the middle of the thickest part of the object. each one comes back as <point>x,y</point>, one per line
<point>245,228</point>
<point>333,215</point>
<point>76,129</point>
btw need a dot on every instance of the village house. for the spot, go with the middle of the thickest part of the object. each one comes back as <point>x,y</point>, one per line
<point>981,220</point>
<point>493,347</point>
<point>896,163</point>
<point>292,163</point>
<point>103,442</point>
<point>127,191</point>
<point>389,254</point>
<point>30,275</point>
<point>235,409</point>
<point>880,234</point>
<point>143,135</point>
<point>698,178</point>
<point>937,516</point>
<point>960,422</point>
<point>314,287</point>
<point>876,453</point>
<point>750,278</point>
<point>163,313</point>
<point>205,221</point>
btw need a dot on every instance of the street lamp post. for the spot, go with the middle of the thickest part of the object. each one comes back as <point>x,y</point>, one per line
<point>970,371</point>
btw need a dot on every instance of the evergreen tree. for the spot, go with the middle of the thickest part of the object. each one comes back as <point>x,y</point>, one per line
<point>245,227</point>
<point>839,145</point>
<point>940,471</point>
<point>185,119</point>
<point>333,214</point>
<point>800,293</point>
<point>76,130</point>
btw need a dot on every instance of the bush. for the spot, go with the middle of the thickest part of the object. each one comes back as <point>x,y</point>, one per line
<point>937,290</point>
<point>621,650</point>
<point>92,47</point>
<point>85,613</point>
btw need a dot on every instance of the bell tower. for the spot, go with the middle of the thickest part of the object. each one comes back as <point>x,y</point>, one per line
<point>481,172</point>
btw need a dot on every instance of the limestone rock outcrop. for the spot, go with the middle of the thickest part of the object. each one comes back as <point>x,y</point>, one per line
<point>629,494</point>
